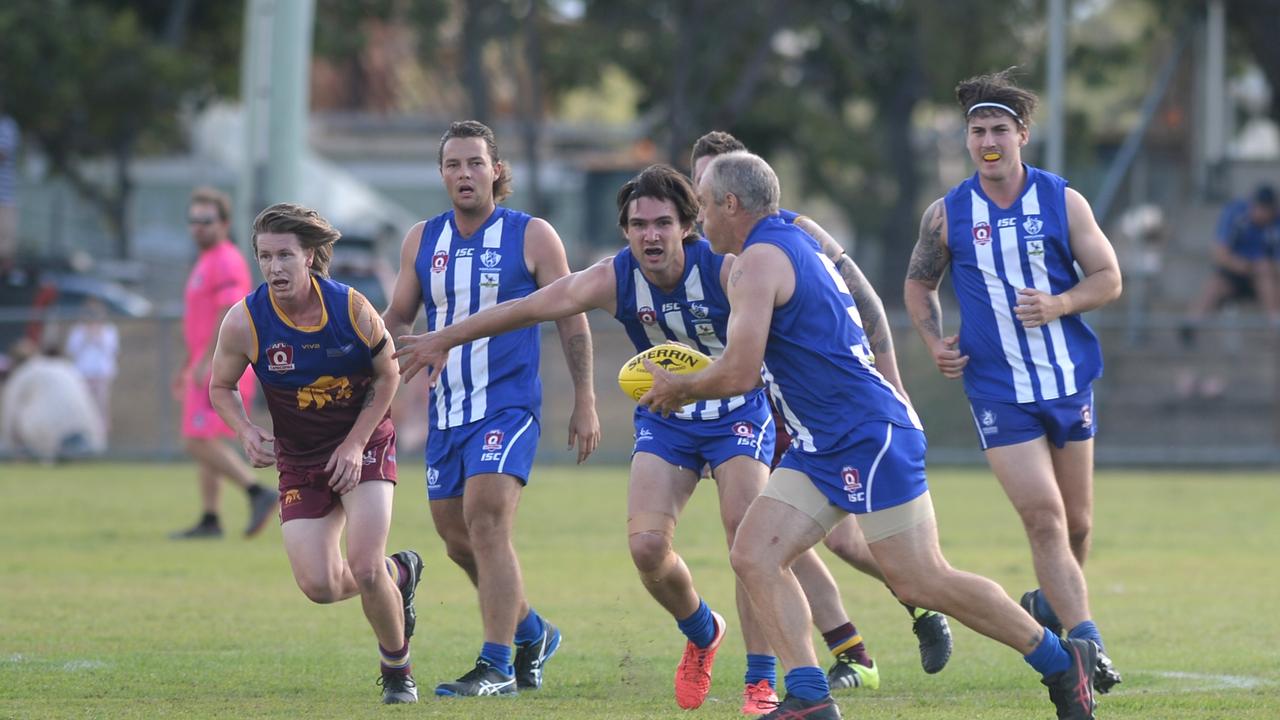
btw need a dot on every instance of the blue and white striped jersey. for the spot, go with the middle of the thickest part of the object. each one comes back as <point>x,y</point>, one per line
<point>460,276</point>
<point>818,365</point>
<point>994,253</point>
<point>695,313</point>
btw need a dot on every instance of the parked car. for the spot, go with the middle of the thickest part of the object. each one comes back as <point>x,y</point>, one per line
<point>31,295</point>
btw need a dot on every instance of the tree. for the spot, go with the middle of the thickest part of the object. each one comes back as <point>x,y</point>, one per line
<point>834,83</point>
<point>91,80</point>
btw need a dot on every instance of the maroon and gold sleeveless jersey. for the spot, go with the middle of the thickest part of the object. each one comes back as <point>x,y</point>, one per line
<point>316,378</point>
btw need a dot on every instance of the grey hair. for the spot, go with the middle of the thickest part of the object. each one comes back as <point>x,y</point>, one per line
<point>748,177</point>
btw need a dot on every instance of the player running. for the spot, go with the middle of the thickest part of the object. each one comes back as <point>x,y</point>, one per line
<point>324,360</point>
<point>666,285</point>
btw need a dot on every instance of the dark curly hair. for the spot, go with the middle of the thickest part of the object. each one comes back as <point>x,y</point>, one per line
<point>997,87</point>
<point>661,182</point>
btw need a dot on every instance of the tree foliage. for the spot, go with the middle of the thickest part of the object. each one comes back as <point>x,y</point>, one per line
<point>94,80</point>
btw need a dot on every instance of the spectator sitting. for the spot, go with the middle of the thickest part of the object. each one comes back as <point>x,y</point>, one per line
<point>1248,238</point>
<point>46,410</point>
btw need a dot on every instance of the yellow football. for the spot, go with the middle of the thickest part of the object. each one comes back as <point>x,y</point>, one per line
<point>635,380</point>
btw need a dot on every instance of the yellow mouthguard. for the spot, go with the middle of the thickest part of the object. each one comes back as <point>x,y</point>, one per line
<point>991,156</point>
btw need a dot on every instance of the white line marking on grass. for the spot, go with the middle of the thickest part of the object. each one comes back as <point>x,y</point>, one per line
<point>1208,681</point>
<point>78,665</point>
<point>68,666</point>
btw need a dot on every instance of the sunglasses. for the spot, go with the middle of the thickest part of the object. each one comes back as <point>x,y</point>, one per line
<point>201,220</point>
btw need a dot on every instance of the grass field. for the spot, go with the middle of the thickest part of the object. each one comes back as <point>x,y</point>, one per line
<point>101,616</point>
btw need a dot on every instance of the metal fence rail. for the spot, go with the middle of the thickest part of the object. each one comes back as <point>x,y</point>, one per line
<point>1145,413</point>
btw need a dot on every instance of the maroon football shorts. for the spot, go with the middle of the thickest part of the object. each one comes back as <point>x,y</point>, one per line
<point>305,491</point>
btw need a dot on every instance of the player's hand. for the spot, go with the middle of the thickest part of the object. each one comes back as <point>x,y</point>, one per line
<point>418,352</point>
<point>344,467</point>
<point>1036,308</point>
<point>665,396</point>
<point>584,429</point>
<point>946,355</point>
<point>259,446</point>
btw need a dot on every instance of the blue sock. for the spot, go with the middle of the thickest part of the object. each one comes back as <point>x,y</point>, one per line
<point>699,627</point>
<point>761,667</point>
<point>529,629</point>
<point>1087,631</point>
<point>1049,657</point>
<point>1045,610</point>
<point>808,683</point>
<point>498,656</point>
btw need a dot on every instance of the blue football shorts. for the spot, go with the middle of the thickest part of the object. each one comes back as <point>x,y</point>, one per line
<point>748,430</point>
<point>878,465</point>
<point>504,443</point>
<point>1064,420</point>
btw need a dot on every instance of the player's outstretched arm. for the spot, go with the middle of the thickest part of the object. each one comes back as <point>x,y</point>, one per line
<point>870,308</point>
<point>760,280</point>
<point>929,261</point>
<point>1101,283</point>
<point>346,462</point>
<point>406,295</point>
<point>232,355</point>
<point>570,295</point>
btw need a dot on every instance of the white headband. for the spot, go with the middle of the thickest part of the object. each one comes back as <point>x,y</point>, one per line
<point>996,105</point>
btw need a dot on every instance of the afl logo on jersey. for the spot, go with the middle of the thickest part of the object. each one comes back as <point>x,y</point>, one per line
<point>280,357</point>
<point>981,233</point>
<point>439,261</point>
<point>646,315</point>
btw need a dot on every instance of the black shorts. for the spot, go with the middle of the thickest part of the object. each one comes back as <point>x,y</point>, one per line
<point>1241,285</point>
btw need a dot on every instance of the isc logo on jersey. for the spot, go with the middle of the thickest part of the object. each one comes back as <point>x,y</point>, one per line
<point>492,446</point>
<point>852,485</point>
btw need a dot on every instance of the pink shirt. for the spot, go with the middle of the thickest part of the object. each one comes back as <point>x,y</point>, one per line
<point>219,280</point>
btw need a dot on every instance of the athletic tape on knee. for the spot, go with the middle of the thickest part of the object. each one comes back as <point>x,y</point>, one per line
<point>651,522</point>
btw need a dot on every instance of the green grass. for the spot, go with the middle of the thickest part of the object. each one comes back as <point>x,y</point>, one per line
<point>101,616</point>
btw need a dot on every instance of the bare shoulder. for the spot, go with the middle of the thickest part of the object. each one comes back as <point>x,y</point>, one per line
<point>758,262</point>
<point>540,231</point>
<point>237,329</point>
<point>413,237</point>
<point>930,258</point>
<point>544,253</point>
<point>933,223</point>
<point>830,247</point>
<point>366,319</point>
<point>1077,203</point>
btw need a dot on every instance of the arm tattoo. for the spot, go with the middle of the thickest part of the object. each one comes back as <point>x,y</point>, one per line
<point>578,354</point>
<point>869,306</point>
<point>734,276</point>
<point>932,325</point>
<point>368,396</point>
<point>929,259</point>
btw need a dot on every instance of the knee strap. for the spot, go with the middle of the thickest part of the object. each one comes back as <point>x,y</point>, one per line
<point>651,522</point>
